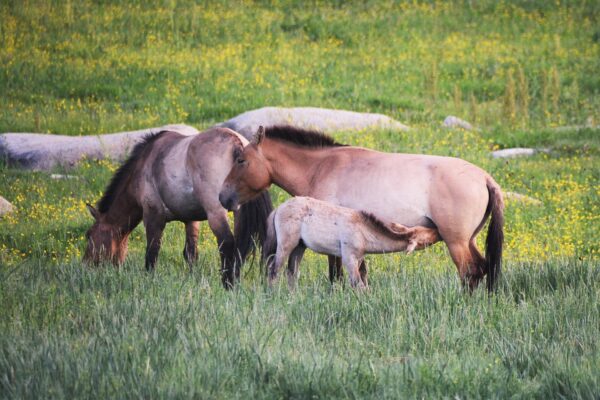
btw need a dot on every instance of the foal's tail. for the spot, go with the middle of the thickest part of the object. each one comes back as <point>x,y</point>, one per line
<point>495,236</point>
<point>251,224</point>
<point>270,244</point>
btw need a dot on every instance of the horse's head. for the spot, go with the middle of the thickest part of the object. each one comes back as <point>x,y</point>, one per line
<point>249,176</point>
<point>105,242</point>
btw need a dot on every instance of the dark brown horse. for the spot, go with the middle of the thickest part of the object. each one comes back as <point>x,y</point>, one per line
<point>449,194</point>
<point>172,177</point>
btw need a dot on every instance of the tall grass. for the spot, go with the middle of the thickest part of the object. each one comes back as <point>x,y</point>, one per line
<point>78,332</point>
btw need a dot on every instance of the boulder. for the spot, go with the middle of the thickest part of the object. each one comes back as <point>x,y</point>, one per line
<point>454,122</point>
<point>514,152</point>
<point>44,151</point>
<point>5,206</point>
<point>321,119</point>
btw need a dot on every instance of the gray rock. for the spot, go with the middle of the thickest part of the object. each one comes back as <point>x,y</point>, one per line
<point>454,122</point>
<point>5,206</point>
<point>44,151</point>
<point>514,152</point>
<point>322,119</point>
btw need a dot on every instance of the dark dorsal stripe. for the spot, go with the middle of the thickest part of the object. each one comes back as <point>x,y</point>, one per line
<point>300,137</point>
<point>125,170</point>
<point>382,227</point>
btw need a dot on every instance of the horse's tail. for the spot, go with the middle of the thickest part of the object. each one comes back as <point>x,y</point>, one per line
<point>495,236</point>
<point>251,224</point>
<point>270,244</point>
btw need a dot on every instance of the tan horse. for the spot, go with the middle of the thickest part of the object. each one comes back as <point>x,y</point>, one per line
<point>304,222</point>
<point>172,177</point>
<point>447,193</point>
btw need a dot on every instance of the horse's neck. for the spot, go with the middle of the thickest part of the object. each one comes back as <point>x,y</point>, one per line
<point>124,213</point>
<point>376,242</point>
<point>292,167</point>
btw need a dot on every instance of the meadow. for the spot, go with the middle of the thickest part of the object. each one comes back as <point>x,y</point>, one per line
<point>524,72</point>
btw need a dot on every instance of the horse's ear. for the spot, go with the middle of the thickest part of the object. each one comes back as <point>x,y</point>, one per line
<point>259,135</point>
<point>93,211</point>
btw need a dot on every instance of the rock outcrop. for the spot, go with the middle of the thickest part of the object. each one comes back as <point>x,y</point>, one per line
<point>321,119</point>
<point>43,151</point>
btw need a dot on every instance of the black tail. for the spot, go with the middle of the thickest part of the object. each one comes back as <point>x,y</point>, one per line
<point>270,244</point>
<point>251,224</point>
<point>495,236</point>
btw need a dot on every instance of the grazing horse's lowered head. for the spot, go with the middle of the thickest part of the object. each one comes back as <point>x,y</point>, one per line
<point>105,241</point>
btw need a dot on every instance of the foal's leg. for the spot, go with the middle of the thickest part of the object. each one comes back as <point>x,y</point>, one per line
<point>190,250</point>
<point>293,264</point>
<point>283,253</point>
<point>154,229</point>
<point>335,269</point>
<point>352,261</point>
<point>220,227</point>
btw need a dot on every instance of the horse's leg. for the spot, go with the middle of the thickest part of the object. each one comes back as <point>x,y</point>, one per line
<point>284,249</point>
<point>352,261</point>
<point>470,264</point>
<point>190,250</point>
<point>293,264</point>
<point>363,272</point>
<point>335,269</point>
<point>220,227</point>
<point>154,229</point>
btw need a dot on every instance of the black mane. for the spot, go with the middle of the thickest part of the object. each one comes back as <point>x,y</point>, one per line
<point>382,227</point>
<point>300,137</point>
<point>124,171</point>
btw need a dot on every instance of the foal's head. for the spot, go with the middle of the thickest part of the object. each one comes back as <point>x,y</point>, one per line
<point>249,175</point>
<point>105,242</point>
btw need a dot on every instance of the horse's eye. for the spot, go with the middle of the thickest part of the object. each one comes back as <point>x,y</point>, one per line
<point>241,161</point>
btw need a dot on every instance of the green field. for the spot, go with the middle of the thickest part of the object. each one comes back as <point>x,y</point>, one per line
<point>526,73</point>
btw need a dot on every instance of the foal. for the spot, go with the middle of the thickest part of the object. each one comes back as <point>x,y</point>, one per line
<point>325,228</point>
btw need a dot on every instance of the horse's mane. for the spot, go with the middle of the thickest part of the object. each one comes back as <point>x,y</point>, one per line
<point>382,227</point>
<point>300,137</point>
<point>125,170</point>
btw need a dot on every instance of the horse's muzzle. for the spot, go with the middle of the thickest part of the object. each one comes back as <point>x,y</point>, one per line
<point>229,201</point>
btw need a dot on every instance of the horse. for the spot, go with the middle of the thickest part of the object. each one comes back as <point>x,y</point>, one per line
<point>304,222</point>
<point>446,193</point>
<point>173,177</point>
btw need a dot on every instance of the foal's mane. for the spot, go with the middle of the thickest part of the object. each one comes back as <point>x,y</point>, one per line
<point>300,137</point>
<point>125,170</point>
<point>382,227</point>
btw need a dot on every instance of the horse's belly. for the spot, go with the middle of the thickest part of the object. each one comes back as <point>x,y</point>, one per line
<point>383,190</point>
<point>406,210</point>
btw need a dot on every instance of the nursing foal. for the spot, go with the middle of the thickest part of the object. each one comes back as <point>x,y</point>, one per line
<point>325,228</point>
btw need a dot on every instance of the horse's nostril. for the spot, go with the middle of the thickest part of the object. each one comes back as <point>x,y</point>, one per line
<point>226,201</point>
<point>223,200</point>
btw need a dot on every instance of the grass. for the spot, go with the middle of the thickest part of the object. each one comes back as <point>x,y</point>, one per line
<point>124,333</point>
<point>520,71</point>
